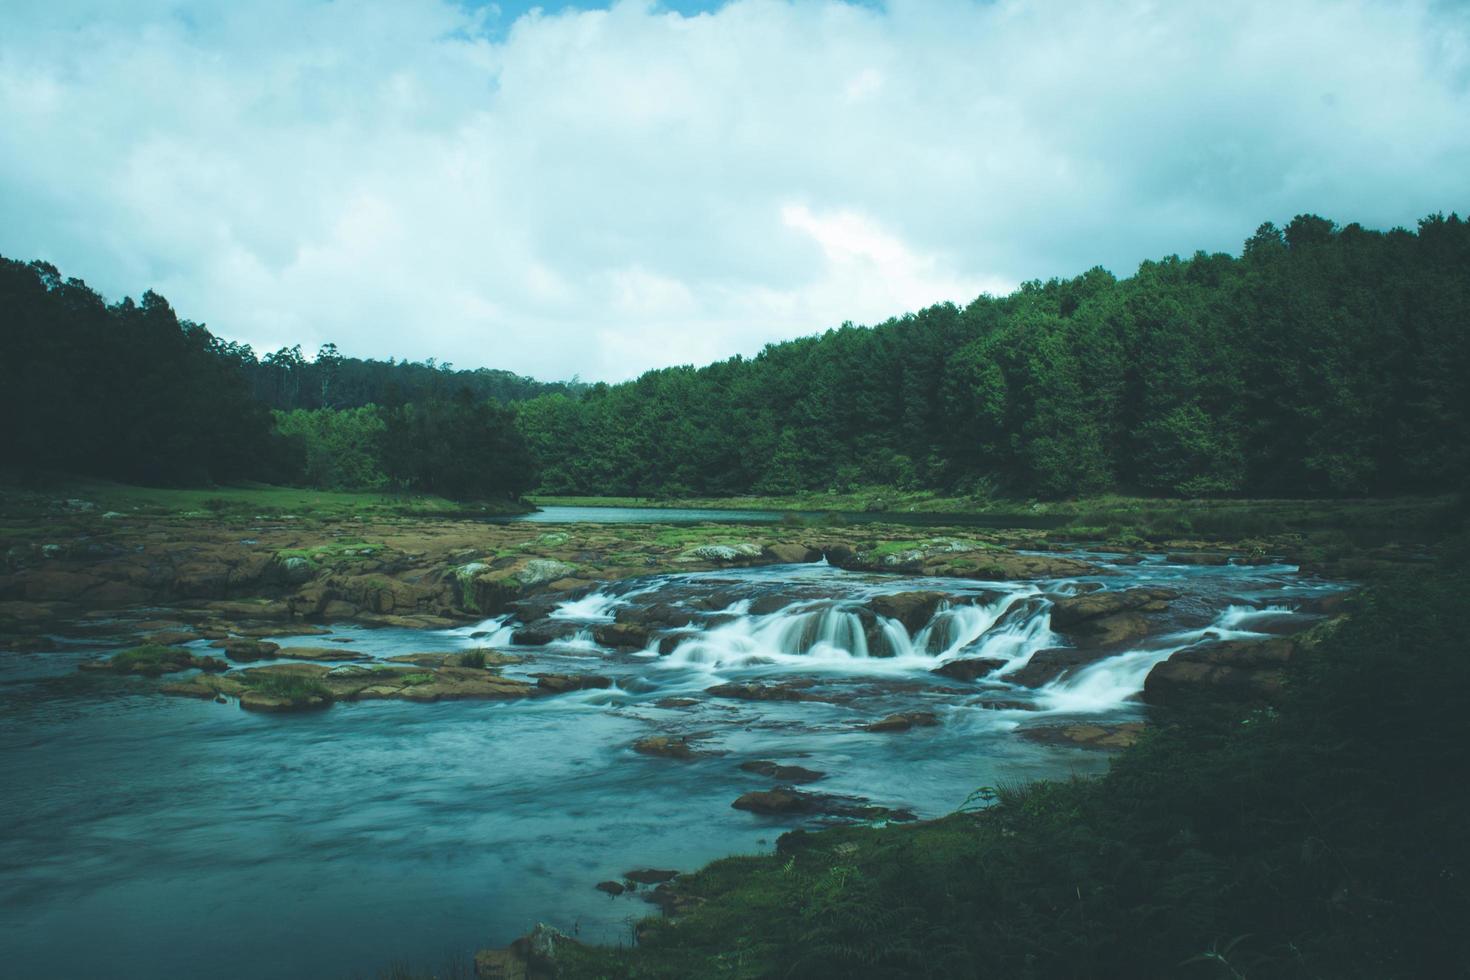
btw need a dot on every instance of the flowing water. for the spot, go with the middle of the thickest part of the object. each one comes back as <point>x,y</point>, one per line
<point>150,836</point>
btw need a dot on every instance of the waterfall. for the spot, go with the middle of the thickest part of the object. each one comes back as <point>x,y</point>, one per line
<point>595,607</point>
<point>496,626</point>
<point>830,635</point>
<point>1110,682</point>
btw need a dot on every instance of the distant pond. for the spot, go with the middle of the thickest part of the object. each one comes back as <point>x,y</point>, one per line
<point>696,515</point>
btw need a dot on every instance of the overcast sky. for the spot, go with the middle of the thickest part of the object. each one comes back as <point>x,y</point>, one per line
<point>594,191</point>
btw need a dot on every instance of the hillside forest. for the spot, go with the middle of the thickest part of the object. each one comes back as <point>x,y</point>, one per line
<point>1323,361</point>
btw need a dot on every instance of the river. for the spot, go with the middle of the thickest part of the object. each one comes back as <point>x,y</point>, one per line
<point>149,836</point>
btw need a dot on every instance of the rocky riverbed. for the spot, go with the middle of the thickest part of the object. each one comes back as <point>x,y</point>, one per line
<point>512,719</point>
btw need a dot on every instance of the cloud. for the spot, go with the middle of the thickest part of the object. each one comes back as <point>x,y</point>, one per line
<point>602,191</point>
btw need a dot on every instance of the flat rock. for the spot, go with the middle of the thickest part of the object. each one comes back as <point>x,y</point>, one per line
<point>1086,736</point>
<point>968,668</point>
<point>562,683</point>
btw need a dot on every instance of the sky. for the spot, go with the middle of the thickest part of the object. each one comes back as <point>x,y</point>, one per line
<point>596,190</point>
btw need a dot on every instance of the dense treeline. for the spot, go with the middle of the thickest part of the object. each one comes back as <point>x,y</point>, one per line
<point>130,391</point>
<point>288,380</point>
<point>1322,361</point>
<point>127,391</point>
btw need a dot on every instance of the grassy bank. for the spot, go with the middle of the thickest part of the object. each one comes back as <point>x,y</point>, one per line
<point>1222,518</point>
<point>1321,838</point>
<point>32,497</point>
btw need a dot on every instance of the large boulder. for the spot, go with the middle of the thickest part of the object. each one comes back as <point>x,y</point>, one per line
<point>913,609</point>
<point>791,554</point>
<point>1109,618</point>
<point>1069,612</point>
<point>621,636</point>
<point>1048,665</point>
<point>1245,670</point>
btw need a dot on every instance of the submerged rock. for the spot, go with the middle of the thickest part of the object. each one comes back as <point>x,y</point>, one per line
<point>903,722</point>
<point>666,747</point>
<point>780,773</point>
<point>755,691</point>
<point>613,888</point>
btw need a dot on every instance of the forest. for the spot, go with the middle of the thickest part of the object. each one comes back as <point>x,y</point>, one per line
<point>1324,361</point>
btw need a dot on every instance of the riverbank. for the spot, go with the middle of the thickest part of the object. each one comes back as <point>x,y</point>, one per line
<point>1320,836</point>
<point>1097,516</point>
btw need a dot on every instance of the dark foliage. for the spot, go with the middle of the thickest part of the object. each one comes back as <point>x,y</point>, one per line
<point>1322,362</point>
<point>287,380</point>
<point>126,391</point>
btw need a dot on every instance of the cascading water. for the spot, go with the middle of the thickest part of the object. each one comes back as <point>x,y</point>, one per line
<point>1113,681</point>
<point>831,633</point>
<point>595,607</point>
<point>495,631</point>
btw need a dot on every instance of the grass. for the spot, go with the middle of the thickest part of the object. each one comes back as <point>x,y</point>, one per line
<point>1321,838</point>
<point>148,658</point>
<point>242,502</point>
<point>287,685</point>
<point>471,658</point>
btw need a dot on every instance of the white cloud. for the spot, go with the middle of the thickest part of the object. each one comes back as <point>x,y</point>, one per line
<point>599,192</point>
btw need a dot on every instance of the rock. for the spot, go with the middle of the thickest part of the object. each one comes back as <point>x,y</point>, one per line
<point>913,609</point>
<point>665,746</point>
<point>331,654</point>
<point>562,683</point>
<point>170,638</point>
<point>539,571</point>
<point>755,691</point>
<point>1086,736</point>
<point>292,570</point>
<point>276,704</point>
<point>675,703</point>
<point>1067,612</point>
<point>613,888</point>
<point>783,801</point>
<point>650,876</point>
<point>1331,604</point>
<point>968,668</point>
<point>663,614</point>
<point>1047,665</point>
<point>1233,669</point>
<point>247,651</point>
<point>152,661</point>
<point>723,552</point>
<point>544,631</point>
<point>791,554</point>
<point>531,957</point>
<point>903,722</point>
<point>1198,558</point>
<point>780,773</point>
<point>621,636</point>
